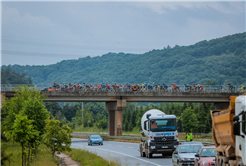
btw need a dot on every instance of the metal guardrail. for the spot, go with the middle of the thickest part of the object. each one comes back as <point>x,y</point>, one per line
<point>182,88</point>
<point>105,135</point>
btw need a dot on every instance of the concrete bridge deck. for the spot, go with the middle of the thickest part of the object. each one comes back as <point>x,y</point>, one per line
<point>138,96</point>
<point>83,96</point>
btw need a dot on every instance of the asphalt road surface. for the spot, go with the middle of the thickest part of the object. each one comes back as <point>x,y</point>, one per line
<point>122,152</point>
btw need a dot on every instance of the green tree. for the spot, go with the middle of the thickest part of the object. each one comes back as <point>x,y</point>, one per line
<point>27,104</point>
<point>12,77</point>
<point>23,132</point>
<point>53,108</point>
<point>14,105</point>
<point>57,138</point>
<point>35,110</point>
<point>189,120</point>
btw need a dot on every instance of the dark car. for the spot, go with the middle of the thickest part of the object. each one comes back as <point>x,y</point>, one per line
<point>95,139</point>
<point>191,142</point>
<point>205,156</point>
<point>185,154</point>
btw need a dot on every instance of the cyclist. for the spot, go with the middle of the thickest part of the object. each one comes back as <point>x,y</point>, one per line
<point>242,89</point>
<point>230,87</point>
<point>63,87</point>
<point>91,87</point>
<point>186,87</point>
<point>174,87</point>
<point>201,87</point>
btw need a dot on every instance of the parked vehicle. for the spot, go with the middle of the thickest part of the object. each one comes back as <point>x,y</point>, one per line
<point>205,156</point>
<point>191,142</point>
<point>162,133</point>
<point>95,139</point>
<point>185,154</point>
<point>229,133</point>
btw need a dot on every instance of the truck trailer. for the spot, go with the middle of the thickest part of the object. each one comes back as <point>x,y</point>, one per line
<point>229,131</point>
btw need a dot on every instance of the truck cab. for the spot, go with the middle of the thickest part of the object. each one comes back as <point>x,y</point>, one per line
<point>161,132</point>
<point>239,129</point>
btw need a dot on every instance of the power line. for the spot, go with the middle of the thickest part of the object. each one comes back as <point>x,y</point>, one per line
<point>7,52</point>
<point>67,45</point>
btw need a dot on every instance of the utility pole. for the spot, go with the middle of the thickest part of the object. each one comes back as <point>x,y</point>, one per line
<point>82,107</point>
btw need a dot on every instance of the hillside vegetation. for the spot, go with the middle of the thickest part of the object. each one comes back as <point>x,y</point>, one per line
<point>222,59</point>
<point>12,77</point>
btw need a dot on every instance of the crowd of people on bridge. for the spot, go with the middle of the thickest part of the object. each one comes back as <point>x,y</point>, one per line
<point>142,87</point>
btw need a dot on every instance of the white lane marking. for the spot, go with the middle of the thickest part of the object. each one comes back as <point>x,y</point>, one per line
<point>127,155</point>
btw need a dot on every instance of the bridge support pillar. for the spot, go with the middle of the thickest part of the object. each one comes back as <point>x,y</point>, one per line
<point>220,106</point>
<point>3,96</point>
<point>115,117</point>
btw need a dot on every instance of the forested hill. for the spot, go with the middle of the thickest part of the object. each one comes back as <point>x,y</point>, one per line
<point>222,59</point>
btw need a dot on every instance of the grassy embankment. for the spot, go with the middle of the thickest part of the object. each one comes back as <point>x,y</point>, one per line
<point>87,158</point>
<point>44,156</point>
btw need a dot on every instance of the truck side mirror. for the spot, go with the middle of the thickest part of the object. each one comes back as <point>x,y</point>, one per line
<point>235,118</point>
<point>148,115</point>
<point>236,128</point>
<point>145,126</point>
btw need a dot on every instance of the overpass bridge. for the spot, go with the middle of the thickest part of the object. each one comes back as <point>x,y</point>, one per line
<point>115,102</point>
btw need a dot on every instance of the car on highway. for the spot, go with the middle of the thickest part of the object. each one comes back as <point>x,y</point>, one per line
<point>95,139</point>
<point>205,156</point>
<point>191,142</point>
<point>185,154</point>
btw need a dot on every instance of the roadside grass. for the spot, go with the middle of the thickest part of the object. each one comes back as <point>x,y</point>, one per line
<point>43,157</point>
<point>87,158</point>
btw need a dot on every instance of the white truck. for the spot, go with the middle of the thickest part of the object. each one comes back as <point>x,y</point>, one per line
<point>161,132</point>
<point>239,130</point>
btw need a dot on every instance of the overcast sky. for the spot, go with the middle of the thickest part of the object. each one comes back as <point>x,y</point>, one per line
<point>42,33</point>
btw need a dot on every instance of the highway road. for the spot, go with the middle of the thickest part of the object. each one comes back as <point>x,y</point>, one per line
<point>122,152</point>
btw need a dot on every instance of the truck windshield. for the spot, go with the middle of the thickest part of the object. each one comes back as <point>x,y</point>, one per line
<point>163,124</point>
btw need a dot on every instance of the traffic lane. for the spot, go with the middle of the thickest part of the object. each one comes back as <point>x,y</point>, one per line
<point>121,152</point>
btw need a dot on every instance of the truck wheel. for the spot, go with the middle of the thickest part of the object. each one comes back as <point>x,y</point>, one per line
<point>149,155</point>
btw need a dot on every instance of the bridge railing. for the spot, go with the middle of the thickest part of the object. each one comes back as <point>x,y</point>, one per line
<point>181,88</point>
<point>10,87</point>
